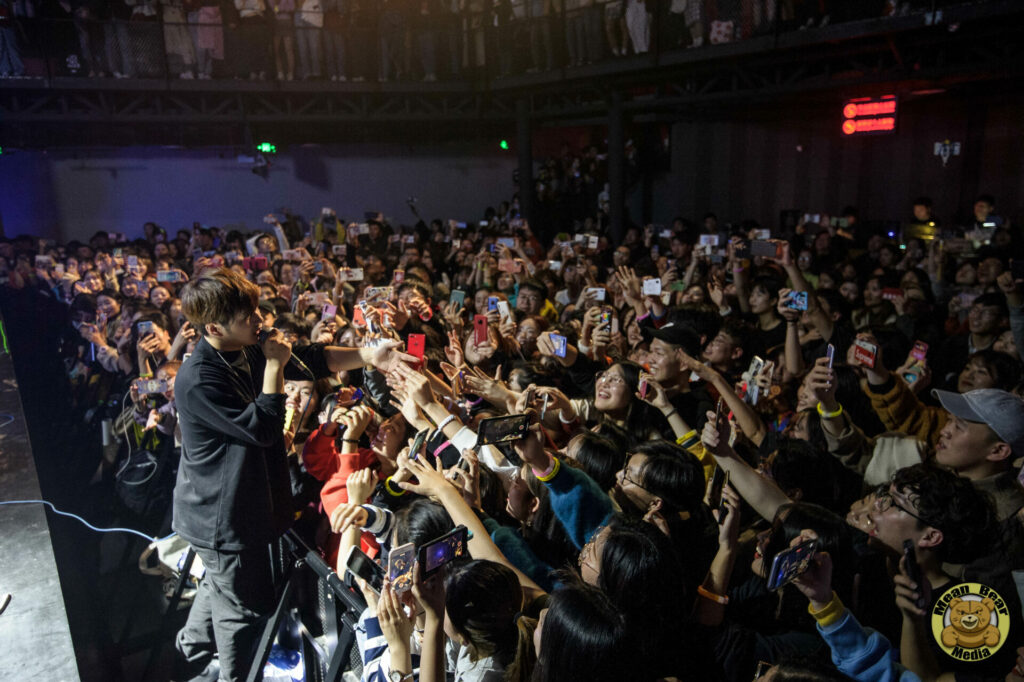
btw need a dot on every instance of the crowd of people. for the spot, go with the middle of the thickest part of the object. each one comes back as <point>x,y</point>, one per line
<point>376,40</point>
<point>675,412</point>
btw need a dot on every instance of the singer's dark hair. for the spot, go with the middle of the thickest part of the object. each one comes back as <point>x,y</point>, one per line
<point>218,297</point>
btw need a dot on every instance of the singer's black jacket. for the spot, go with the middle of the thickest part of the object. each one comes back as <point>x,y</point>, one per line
<point>233,488</point>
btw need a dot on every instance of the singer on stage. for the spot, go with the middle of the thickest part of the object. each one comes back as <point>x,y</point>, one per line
<point>232,498</point>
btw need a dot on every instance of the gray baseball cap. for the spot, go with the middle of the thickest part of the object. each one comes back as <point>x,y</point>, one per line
<point>1002,411</point>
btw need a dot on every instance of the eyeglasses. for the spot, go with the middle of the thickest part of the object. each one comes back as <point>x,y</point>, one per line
<point>607,377</point>
<point>627,479</point>
<point>884,499</point>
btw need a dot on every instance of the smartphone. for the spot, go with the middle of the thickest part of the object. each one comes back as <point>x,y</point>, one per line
<point>767,248</point>
<point>352,275</point>
<point>913,569</point>
<point>715,486</point>
<point>415,345</point>
<point>328,311</point>
<point>340,249</point>
<point>401,564</point>
<point>791,563</point>
<point>723,508</point>
<point>502,429</point>
<point>797,300</point>
<point>131,261</point>
<point>719,412</point>
<point>169,276</point>
<point>492,303</point>
<point>652,287</point>
<point>560,344</point>
<point>708,240</point>
<point>597,293</point>
<point>374,293</point>
<point>753,390</point>
<point>435,554</point>
<point>399,276</point>
<point>318,266</point>
<point>920,351</point>
<point>642,388</point>
<point>144,328</point>
<point>504,310</point>
<point>148,386</point>
<point>458,297</point>
<point>891,293</point>
<point>865,352</point>
<point>508,265</point>
<point>417,443</point>
<point>830,353</point>
<point>606,319</point>
<point>362,566</point>
<point>480,329</point>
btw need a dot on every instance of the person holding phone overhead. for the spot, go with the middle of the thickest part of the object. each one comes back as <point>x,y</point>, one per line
<point>232,499</point>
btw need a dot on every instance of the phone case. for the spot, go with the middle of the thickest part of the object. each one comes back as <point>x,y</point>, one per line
<point>416,344</point>
<point>480,329</point>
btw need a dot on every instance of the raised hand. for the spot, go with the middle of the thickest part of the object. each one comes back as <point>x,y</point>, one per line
<point>360,484</point>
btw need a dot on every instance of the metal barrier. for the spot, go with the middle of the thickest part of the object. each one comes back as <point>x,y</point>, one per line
<point>372,41</point>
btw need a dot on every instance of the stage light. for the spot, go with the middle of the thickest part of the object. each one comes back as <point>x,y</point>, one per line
<point>504,145</point>
<point>266,148</point>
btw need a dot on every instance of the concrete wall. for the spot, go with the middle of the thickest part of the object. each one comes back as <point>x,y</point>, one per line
<point>65,196</point>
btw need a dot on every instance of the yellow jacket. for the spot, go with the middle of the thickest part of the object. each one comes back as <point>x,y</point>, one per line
<point>900,410</point>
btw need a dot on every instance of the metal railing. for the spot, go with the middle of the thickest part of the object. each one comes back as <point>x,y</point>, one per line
<point>372,41</point>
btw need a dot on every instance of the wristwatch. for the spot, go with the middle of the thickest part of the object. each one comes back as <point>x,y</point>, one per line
<point>396,676</point>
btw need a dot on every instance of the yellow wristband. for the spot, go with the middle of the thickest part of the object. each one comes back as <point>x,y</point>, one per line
<point>830,613</point>
<point>829,415</point>
<point>544,477</point>
<point>391,491</point>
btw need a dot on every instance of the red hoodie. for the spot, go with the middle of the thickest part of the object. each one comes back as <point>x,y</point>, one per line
<point>322,460</point>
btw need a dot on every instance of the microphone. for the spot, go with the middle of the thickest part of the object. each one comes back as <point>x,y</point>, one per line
<point>293,360</point>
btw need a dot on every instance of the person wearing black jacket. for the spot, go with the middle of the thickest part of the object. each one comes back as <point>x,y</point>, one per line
<point>232,498</point>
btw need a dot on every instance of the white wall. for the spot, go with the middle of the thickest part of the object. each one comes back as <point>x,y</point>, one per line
<point>60,196</point>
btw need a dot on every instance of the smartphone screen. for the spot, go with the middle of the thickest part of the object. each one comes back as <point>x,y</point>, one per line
<point>791,563</point>
<point>560,344</point>
<point>502,429</point>
<point>797,301</point>
<point>362,566</point>
<point>435,554</point>
<point>458,297</point>
<point>920,351</point>
<point>401,564</point>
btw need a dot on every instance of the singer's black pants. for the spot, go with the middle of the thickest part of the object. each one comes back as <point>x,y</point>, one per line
<point>230,609</point>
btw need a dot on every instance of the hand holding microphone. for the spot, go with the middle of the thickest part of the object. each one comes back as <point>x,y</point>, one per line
<point>276,349</point>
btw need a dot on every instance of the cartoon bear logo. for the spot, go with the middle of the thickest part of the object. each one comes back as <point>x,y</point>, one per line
<point>970,625</point>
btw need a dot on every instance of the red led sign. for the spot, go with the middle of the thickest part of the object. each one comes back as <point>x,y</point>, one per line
<point>869,115</point>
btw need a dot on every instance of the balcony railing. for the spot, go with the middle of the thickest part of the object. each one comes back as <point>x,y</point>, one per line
<point>374,41</point>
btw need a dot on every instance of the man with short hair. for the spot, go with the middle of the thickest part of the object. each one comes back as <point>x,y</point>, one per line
<point>232,499</point>
<point>673,350</point>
